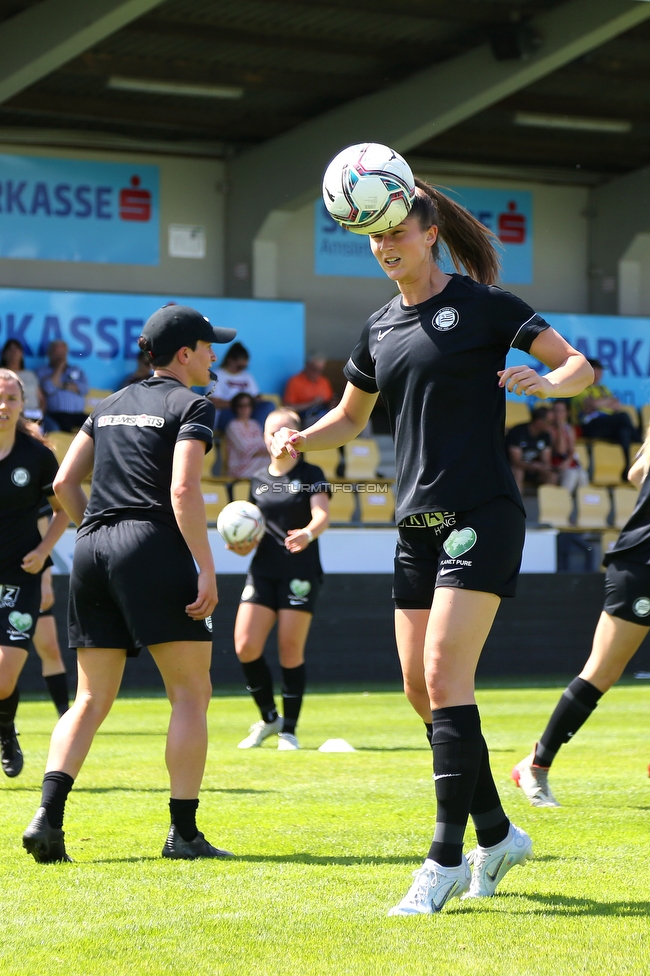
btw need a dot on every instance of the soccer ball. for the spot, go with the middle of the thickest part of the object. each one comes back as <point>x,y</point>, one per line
<point>240,522</point>
<point>368,188</point>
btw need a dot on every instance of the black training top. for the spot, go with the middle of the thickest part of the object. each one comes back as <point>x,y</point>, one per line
<point>435,365</point>
<point>532,445</point>
<point>633,543</point>
<point>284,501</point>
<point>26,474</point>
<point>135,431</point>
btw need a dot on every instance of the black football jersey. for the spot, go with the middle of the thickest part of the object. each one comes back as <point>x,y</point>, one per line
<point>435,365</point>
<point>634,541</point>
<point>26,475</point>
<point>135,431</point>
<point>284,501</point>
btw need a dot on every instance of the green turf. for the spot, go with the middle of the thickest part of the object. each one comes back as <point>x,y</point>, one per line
<point>326,844</point>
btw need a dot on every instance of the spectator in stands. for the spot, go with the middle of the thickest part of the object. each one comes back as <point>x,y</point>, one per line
<point>143,370</point>
<point>13,358</point>
<point>310,393</point>
<point>245,439</point>
<point>529,451</point>
<point>565,463</point>
<point>65,388</point>
<point>233,377</point>
<point>600,415</point>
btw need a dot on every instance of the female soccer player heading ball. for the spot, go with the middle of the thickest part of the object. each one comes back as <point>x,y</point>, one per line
<point>436,354</point>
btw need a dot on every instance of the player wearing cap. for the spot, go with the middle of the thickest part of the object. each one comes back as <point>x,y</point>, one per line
<point>134,582</point>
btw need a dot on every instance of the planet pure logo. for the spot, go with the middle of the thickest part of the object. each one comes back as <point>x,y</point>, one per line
<point>459,542</point>
<point>21,621</point>
<point>300,588</point>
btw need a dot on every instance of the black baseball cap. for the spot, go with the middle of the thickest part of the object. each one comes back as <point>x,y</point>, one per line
<point>175,326</point>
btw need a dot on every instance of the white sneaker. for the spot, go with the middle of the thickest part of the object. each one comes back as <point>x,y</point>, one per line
<point>432,888</point>
<point>287,742</point>
<point>259,732</point>
<point>533,781</point>
<point>491,864</point>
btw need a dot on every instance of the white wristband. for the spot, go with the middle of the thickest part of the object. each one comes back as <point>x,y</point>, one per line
<point>309,534</point>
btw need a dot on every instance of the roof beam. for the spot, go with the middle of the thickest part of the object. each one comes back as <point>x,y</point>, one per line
<point>407,114</point>
<point>45,36</point>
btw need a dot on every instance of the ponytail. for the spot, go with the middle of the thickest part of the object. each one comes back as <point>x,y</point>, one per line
<point>469,242</point>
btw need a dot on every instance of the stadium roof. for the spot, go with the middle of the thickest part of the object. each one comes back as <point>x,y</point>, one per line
<point>219,78</point>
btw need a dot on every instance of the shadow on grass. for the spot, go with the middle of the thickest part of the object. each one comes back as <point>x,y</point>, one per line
<point>568,905</point>
<point>139,789</point>
<point>303,857</point>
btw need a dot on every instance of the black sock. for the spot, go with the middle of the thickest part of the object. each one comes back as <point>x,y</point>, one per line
<point>259,681</point>
<point>56,786</point>
<point>429,727</point>
<point>183,814</point>
<point>293,689</point>
<point>8,708</point>
<point>457,750</point>
<point>57,685</point>
<point>490,822</point>
<point>571,712</point>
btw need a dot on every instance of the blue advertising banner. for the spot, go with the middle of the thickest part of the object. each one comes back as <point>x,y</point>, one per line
<point>102,330</point>
<point>75,210</point>
<point>508,213</point>
<point>621,343</point>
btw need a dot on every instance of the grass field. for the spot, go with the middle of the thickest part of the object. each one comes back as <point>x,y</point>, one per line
<point>325,846</point>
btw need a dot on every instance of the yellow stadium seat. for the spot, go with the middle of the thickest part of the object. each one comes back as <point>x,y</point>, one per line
<point>583,455</point>
<point>60,441</point>
<point>376,505</point>
<point>272,398</point>
<point>361,458</point>
<point>215,497</point>
<point>94,396</point>
<point>608,461</point>
<point>241,490</point>
<point>593,507</point>
<point>517,412</point>
<point>209,462</point>
<point>624,501</point>
<point>645,417</point>
<point>343,505</point>
<point>327,461</point>
<point>555,506</point>
<point>631,411</point>
<point>607,542</point>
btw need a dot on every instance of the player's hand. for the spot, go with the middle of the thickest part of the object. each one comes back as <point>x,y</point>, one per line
<point>296,540</point>
<point>47,593</point>
<point>242,548</point>
<point>286,441</point>
<point>33,562</point>
<point>207,598</point>
<point>524,381</point>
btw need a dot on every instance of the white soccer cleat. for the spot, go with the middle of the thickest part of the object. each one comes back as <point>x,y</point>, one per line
<point>259,732</point>
<point>432,888</point>
<point>287,742</point>
<point>491,864</point>
<point>533,781</point>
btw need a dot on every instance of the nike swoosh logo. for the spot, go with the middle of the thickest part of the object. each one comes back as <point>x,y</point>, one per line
<point>380,334</point>
<point>18,637</point>
<point>452,569</point>
<point>492,875</point>
<point>446,775</point>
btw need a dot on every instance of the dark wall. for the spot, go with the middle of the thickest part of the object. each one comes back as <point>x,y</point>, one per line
<point>546,630</point>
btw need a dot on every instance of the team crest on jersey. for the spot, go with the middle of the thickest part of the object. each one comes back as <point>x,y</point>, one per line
<point>445,319</point>
<point>20,477</point>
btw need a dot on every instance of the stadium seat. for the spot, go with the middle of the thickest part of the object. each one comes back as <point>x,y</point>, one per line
<point>607,541</point>
<point>624,501</point>
<point>376,506</point>
<point>645,417</point>
<point>94,396</point>
<point>215,457</point>
<point>343,506</point>
<point>241,490</point>
<point>328,461</point>
<point>594,506</point>
<point>607,460</point>
<point>361,457</point>
<point>272,398</point>
<point>631,411</point>
<point>517,412</point>
<point>583,455</point>
<point>60,441</point>
<point>215,497</point>
<point>555,506</point>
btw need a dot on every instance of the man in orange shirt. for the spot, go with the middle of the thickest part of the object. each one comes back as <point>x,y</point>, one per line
<point>310,393</point>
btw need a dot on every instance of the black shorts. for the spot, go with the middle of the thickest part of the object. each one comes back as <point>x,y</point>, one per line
<point>129,586</point>
<point>627,591</point>
<point>283,593</point>
<point>476,550</point>
<point>19,605</point>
